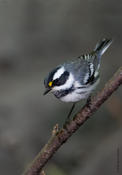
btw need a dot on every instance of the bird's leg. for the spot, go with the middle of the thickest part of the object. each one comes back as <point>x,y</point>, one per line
<point>71,110</point>
<point>69,114</point>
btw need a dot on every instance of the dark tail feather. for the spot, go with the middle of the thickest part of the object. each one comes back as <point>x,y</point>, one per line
<point>102,46</point>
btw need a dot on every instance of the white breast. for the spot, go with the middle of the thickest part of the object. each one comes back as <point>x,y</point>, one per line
<point>79,94</point>
<point>73,97</point>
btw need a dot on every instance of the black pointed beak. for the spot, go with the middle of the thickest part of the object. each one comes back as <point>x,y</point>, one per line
<point>46,91</point>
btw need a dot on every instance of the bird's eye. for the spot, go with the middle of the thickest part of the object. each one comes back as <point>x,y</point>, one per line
<point>50,84</point>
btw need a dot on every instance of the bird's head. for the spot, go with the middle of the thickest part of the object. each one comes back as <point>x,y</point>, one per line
<point>58,79</point>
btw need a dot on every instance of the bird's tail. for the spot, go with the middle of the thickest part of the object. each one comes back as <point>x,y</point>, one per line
<point>102,46</point>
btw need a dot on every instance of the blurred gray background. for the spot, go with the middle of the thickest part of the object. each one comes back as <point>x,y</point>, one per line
<point>35,36</point>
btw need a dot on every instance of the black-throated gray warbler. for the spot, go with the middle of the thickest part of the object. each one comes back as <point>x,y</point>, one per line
<point>75,80</point>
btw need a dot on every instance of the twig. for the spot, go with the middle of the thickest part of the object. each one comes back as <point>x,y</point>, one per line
<point>42,173</point>
<point>60,136</point>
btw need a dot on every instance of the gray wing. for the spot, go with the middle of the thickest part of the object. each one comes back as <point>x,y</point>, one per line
<point>86,67</point>
<point>83,68</point>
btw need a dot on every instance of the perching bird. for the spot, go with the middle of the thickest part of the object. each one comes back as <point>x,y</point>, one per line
<point>74,80</point>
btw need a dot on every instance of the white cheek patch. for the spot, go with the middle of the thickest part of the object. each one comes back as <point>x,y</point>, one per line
<point>58,73</point>
<point>68,84</point>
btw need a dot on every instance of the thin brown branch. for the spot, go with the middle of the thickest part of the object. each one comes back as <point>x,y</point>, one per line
<point>60,136</point>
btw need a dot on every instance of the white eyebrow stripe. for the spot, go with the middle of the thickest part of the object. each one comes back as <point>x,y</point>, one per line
<point>58,73</point>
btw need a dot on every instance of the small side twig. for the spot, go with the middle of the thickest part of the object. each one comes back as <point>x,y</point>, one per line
<point>42,173</point>
<point>61,136</point>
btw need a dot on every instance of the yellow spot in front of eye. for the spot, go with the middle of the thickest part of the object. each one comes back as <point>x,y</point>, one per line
<point>50,83</point>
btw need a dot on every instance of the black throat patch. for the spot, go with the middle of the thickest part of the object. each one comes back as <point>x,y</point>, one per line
<point>63,93</point>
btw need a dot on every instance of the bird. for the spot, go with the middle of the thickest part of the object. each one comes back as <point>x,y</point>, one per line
<point>75,80</point>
